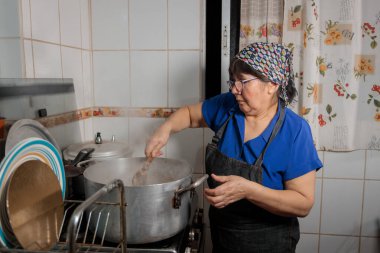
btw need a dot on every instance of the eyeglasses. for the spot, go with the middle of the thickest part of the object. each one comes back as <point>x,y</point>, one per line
<point>239,84</point>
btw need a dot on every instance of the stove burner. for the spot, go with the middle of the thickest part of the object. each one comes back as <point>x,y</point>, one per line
<point>189,240</point>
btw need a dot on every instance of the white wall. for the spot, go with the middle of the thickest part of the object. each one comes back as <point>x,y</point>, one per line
<point>10,50</point>
<point>149,53</point>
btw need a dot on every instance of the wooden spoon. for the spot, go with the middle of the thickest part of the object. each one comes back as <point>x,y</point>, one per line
<point>141,175</point>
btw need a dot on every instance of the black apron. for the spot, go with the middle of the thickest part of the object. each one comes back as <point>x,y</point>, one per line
<point>243,226</point>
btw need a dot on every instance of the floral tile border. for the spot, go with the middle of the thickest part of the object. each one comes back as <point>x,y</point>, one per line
<point>99,111</point>
<point>133,112</point>
<point>64,118</point>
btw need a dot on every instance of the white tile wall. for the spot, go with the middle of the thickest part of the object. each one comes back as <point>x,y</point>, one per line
<point>58,133</point>
<point>308,243</point>
<point>45,20</point>
<point>85,24</point>
<point>369,245</point>
<point>28,58</point>
<point>371,209</point>
<point>72,68</point>
<point>88,89</point>
<point>109,127</point>
<point>140,130</point>
<point>188,145</point>
<point>70,22</point>
<point>339,244</point>
<point>47,60</point>
<point>88,130</point>
<point>344,165</point>
<point>111,78</point>
<point>184,78</point>
<point>184,24</point>
<point>321,157</point>
<point>149,82</point>
<point>10,60</point>
<point>9,25</point>
<point>110,24</point>
<point>26,25</point>
<point>373,164</point>
<point>148,27</point>
<point>72,133</point>
<point>341,206</point>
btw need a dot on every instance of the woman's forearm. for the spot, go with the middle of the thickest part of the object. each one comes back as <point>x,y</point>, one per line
<point>280,202</point>
<point>186,117</point>
<point>296,200</point>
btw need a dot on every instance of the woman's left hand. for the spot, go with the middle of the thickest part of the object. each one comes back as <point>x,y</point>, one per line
<point>232,189</point>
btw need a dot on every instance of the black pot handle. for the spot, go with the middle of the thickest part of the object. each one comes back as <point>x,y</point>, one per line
<point>82,155</point>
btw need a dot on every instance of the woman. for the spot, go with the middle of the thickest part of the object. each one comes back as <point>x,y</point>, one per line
<point>262,160</point>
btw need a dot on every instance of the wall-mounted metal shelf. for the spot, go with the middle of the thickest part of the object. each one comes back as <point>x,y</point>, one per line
<point>10,87</point>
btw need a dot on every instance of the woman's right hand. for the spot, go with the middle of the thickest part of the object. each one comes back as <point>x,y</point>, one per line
<point>157,141</point>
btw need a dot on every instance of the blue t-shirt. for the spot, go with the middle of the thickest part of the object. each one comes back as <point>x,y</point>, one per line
<point>290,155</point>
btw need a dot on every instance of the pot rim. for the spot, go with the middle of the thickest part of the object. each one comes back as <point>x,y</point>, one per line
<point>173,182</point>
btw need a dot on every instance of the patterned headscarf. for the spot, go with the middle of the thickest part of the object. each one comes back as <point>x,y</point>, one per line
<point>272,60</point>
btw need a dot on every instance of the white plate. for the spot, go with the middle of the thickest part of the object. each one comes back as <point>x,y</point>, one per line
<point>27,128</point>
<point>26,150</point>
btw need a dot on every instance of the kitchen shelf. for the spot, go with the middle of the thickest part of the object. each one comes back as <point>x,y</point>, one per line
<point>11,87</point>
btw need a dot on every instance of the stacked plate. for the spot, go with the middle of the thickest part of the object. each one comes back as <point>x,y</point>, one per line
<point>29,149</point>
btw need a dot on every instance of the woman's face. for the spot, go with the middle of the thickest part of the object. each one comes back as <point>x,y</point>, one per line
<point>255,96</point>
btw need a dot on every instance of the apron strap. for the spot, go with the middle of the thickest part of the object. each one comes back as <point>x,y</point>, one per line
<point>275,131</point>
<point>216,138</point>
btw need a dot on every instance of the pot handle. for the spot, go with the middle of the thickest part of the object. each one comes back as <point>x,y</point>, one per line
<point>82,155</point>
<point>178,193</point>
<point>86,163</point>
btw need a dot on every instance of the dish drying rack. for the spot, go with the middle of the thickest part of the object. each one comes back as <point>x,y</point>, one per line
<point>73,217</point>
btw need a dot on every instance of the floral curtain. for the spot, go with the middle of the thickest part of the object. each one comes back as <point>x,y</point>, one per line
<point>260,20</point>
<point>336,64</point>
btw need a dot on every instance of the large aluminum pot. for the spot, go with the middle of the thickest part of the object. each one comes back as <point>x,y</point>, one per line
<point>151,212</point>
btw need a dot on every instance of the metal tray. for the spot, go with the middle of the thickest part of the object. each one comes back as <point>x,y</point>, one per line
<point>26,128</point>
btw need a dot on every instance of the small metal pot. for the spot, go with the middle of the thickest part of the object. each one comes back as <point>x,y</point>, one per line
<point>155,211</point>
<point>74,175</point>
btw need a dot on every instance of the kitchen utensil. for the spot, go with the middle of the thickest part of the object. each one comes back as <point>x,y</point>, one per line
<point>26,128</point>
<point>101,151</point>
<point>105,150</point>
<point>27,150</point>
<point>82,155</point>
<point>141,175</point>
<point>151,216</point>
<point>74,175</point>
<point>35,205</point>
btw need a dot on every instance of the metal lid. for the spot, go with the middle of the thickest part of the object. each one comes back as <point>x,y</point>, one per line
<point>107,149</point>
<point>26,128</point>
